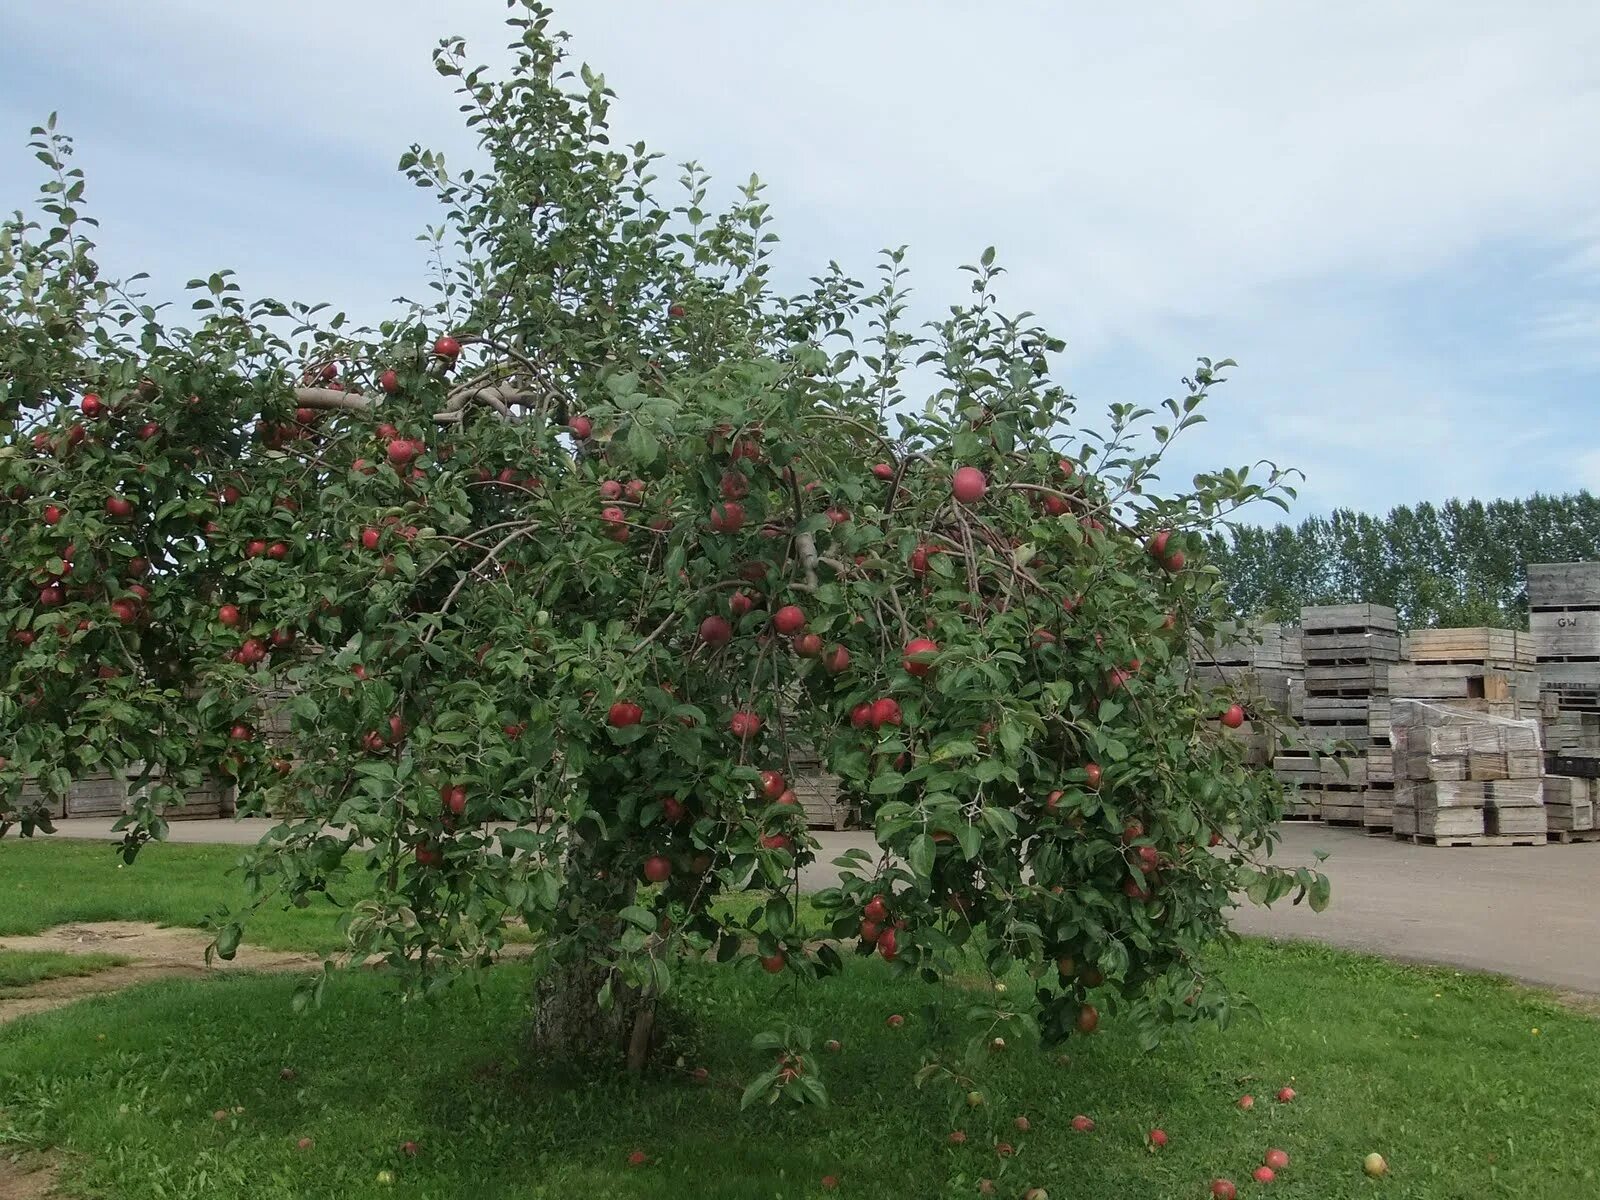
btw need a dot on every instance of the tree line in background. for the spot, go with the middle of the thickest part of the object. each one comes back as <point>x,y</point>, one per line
<point>1458,563</point>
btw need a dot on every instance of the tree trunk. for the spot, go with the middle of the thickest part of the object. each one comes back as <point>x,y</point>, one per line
<point>569,1026</point>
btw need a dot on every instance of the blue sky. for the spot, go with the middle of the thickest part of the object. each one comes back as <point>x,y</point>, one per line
<point>1389,214</point>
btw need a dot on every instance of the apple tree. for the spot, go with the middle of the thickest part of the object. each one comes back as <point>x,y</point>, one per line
<point>518,607</point>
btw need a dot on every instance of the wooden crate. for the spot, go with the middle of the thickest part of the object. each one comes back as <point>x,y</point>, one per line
<point>1380,765</point>
<point>1515,820</point>
<point>820,795</point>
<point>1377,806</point>
<point>1347,679</point>
<point>1460,681</point>
<point>1569,803</point>
<point>1571,732</point>
<point>1564,585</point>
<point>102,794</point>
<point>1343,804</point>
<point>1296,768</point>
<point>1343,646</point>
<point>1506,647</point>
<point>1566,633</point>
<point>1325,618</point>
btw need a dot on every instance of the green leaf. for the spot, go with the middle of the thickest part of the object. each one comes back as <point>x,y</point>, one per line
<point>920,856</point>
<point>643,918</point>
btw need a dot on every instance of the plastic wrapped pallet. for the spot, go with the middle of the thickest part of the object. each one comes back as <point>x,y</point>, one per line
<point>1467,778</point>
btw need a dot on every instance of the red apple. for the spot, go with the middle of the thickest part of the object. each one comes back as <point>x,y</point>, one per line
<point>1022,1124</point>
<point>860,715</point>
<point>773,963</point>
<point>789,619</point>
<point>389,381</point>
<point>624,713</point>
<point>883,470</point>
<point>885,711</point>
<point>401,451</point>
<point>744,724</point>
<point>1082,1124</point>
<point>1174,561</point>
<point>1004,1149</point>
<point>727,518</point>
<point>371,538</point>
<point>1276,1159</point>
<point>1158,1138</point>
<point>888,945</point>
<point>716,631</point>
<point>740,604</point>
<point>1088,1019</point>
<point>1233,717</point>
<point>676,311</point>
<point>125,611</point>
<point>1157,545</point>
<point>876,910</point>
<point>229,614</point>
<point>673,810</point>
<point>278,551</point>
<point>967,485</point>
<point>447,347</point>
<point>836,660</point>
<point>1091,774</point>
<point>830,1183</point>
<point>454,797</point>
<point>957,1137</point>
<point>918,653</point>
<point>580,427</point>
<point>1247,1102</point>
<point>1285,1095</point>
<point>772,784</point>
<point>735,485</point>
<point>657,869</point>
<point>1223,1189</point>
<point>895,1021</point>
<point>808,645</point>
<point>119,506</point>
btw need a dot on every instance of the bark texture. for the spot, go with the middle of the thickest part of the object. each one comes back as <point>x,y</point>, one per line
<point>570,1026</point>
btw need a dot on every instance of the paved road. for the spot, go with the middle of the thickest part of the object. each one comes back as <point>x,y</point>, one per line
<point>1527,912</point>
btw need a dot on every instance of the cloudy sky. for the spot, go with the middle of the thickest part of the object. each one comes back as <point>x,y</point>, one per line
<point>1388,213</point>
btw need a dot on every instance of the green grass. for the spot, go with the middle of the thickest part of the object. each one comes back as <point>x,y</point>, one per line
<point>1441,1072</point>
<point>167,885</point>
<point>23,968</point>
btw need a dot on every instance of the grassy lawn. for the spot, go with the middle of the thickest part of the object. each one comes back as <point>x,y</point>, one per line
<point>46,882</point>
<point>22,968</point>
<point>1441,1072</point>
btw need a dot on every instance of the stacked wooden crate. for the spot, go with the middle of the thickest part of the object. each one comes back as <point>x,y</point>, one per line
<point>1572,772</point>
<point>820,794</point>
<point>107,794</point>
<point>1245,662</point>
<point>1348,650</point>
<point>1472,670</point>
<point>1467,778</point>
<point>1564,617</point>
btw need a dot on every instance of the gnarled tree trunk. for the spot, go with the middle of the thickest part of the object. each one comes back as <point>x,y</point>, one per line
<point>569,1025</point>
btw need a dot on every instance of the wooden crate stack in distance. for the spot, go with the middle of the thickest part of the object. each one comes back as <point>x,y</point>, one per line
<point>1481,670</point>
<point>1246,662</point>
<point>1348,651</point>
<point>1467,778</point>
<point>1564,617</point>
<point>1572,772</point>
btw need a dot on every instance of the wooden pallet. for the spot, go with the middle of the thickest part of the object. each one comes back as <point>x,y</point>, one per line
<point>1563,837</point>
<point>1333,618</point>
<point>1417,839</point>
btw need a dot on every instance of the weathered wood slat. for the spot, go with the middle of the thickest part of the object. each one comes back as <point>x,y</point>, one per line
<point>1477,644</point>
<point>1553,585</point>
<point>1323,617</point>
<point>1356,678</point>
<point>1351,647</point>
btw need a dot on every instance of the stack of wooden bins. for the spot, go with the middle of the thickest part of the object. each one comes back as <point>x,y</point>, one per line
<point>1467,778</point>
<point>1348,650</point>
<point>819,793</point>
<point>1472,670</point>
<point>1572,773</point>
<point>1564,617</point>
<point>1245,662</point>
<point>104,794</point>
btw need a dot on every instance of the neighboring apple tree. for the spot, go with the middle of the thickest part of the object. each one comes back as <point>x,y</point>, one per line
<point>523,602</point>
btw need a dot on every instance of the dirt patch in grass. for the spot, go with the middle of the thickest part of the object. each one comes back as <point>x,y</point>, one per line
<point>26,1176</point>
<point>152,952</point>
